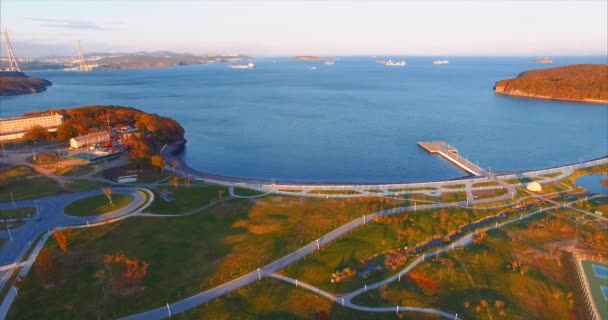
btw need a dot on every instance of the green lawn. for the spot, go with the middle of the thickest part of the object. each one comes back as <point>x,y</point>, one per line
<point>223,242</point>
<point>25,183</point>
<point>17,213</point>
<point>332,192</point>
<point>74,170</point>
<point>412,189</point>
<point>84,185</point>
<point>247,192</point>
<point>486,184</point>
<point>186,199</point>
<point>454,187</point>
<point>97,205</point>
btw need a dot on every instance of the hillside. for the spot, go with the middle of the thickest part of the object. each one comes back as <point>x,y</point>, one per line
<point>15,83</point>
<point>581,82</point>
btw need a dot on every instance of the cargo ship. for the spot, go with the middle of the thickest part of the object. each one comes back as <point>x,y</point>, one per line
<point>395,63</point>
<point>544,61</point>
<point>242,66</point>
<point>441,62</point>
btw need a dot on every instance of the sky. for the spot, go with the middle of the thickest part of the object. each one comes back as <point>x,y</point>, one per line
<point>338,27</point>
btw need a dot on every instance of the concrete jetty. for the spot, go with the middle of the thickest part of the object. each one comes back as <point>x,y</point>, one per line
<point>451,154</point>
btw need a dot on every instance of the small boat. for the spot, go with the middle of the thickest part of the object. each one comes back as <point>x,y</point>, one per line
<point>329,62</point>
<point>441,62</point>
<point>312,68</point>
<point>242,66</point>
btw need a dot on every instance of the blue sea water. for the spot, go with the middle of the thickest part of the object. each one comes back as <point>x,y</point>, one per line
<point>355,121</point>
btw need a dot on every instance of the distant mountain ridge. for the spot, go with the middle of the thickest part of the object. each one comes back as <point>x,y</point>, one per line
<point>581,82</point>
<point>130,60</point>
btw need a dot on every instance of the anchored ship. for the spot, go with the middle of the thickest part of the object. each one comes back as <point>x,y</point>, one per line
<point>329,62</point>
<point>441,62</point>
<point>544,61</point>
<point>242,66</point>
<point>395,63</point>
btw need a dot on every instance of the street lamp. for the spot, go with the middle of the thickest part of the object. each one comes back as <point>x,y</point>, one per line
<point>37,210</point>
<point>13,200</point>
<point>9,233</point>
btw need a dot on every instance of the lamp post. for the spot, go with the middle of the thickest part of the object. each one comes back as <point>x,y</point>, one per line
<point>13,200</point>
<point>9,233</point>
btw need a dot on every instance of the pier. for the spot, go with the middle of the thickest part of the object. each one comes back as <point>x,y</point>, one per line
<point>451,154</point>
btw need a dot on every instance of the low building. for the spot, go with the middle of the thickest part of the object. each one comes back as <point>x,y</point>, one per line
<point>89,139</point>
<point>15,128</point>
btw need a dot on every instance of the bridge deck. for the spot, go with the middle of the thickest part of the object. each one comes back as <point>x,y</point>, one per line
<point>451,154</point>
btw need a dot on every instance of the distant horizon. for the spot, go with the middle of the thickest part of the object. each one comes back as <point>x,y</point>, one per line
<point>332,28</point>
<point>4,56</point>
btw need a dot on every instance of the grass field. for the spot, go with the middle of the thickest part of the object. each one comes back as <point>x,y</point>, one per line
<point>454,187</point>
<point>17,213</point>
<point>369,246</point>
<point>186,198</point>
<point>25,183</point>
<point>333,192</point>
<point>96,205</point>
<point>485,184</point>
<point>185,254</point>
<point>413,189</point>
<point>489,193</point>
<point>247,192</point>
<point>497,278</point>
<point>74,170</point>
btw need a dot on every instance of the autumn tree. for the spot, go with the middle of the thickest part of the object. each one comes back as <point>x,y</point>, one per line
<point>107,191</point>
<point>158,162</point>
<point>175,181</point>
<point>36,133</point>
<point>139,147</point>
<point>480,236</point>
<point>63,237</point>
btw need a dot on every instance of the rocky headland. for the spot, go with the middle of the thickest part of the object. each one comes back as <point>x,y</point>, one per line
<point>581,83</point>
<point>15,83</point>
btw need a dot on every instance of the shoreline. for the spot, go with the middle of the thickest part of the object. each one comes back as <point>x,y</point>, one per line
<point>171,152</point>
<point>532,96</point>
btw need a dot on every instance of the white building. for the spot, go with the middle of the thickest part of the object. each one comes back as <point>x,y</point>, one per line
<point>15,128</point>
<point>89,139</point>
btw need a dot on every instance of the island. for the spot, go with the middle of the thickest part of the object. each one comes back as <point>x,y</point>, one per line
<point>311,58</point>
<point>15,83</point>
<point>582,83</point>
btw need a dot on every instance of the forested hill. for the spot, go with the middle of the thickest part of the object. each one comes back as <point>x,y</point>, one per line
<point>14,83</point>
<point>581,82</point>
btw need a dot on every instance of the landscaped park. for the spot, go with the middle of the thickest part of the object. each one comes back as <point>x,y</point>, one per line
<point>470,249</point>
